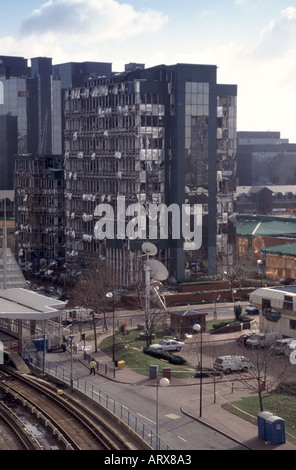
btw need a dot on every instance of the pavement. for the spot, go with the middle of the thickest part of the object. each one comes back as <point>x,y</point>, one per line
<point>213,414</point>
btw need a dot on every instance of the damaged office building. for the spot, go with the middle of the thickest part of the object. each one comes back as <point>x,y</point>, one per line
<point>161,135</point>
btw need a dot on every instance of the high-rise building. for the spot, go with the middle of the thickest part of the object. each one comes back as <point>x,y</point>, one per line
<point>39,217</point>
<point>33,98</point>
<point>163,135</point>
<point>33,95</point>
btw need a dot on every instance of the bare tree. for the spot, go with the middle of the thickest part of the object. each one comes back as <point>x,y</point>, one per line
<point>268,370</point>
<point>90,292</point>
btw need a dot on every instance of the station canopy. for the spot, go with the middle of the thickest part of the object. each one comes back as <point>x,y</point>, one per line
<point>23,304</point>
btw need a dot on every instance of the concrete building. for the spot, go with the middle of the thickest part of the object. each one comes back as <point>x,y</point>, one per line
<point>163,135</point>
<point>264,159</point>
<point>267,200</point>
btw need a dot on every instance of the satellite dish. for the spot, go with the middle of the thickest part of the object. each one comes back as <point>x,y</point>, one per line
<point>157,285</point>
<point>149,249</point>
<point>158,271</point>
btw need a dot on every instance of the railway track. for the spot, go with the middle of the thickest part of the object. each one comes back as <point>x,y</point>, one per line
<point>75,427</point>
<point>14,434</point>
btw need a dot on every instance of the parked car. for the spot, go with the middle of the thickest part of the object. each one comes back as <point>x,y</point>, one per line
<point>241,340</point>
<point>284,346</point>
<point>262,340</point>
<point>168,345</point>
<point>286,281</point>
<point>252,310</point>
<point>231,363</point>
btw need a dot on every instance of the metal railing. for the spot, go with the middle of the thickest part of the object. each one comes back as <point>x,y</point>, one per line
<point>92,391</point>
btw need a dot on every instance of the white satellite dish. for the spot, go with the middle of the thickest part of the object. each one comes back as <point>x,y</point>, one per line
<point>149,248</point>
<point>157,270</point>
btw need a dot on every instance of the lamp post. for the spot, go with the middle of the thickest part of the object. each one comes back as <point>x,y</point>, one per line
<point>110,295</point>
<point>71,377</point>
<point>197,327</point>
<point>163,382</point>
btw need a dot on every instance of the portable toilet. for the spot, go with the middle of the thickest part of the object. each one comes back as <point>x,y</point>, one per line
<point>261,419</point>
<point>275,430</point>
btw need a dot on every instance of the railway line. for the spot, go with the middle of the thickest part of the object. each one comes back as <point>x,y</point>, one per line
<point>73,425</point>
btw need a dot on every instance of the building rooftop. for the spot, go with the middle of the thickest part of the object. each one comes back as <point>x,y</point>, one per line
<point>188,313</point>
<point>264,225</point>
<point>288,250</point>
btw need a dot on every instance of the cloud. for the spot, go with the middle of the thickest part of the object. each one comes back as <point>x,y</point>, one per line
<point>91,19</point>
<point>279,36</point>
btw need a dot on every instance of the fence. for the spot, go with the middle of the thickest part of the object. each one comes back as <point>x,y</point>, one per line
<point>99,396</point>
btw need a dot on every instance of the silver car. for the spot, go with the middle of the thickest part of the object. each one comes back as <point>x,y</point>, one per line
<point>168,345</point>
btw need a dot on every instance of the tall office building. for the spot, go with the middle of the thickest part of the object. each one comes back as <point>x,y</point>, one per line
<point>34,96</point>
<point>167,135</point>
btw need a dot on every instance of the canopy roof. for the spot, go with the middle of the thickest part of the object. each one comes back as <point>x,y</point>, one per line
<point>23,304</point>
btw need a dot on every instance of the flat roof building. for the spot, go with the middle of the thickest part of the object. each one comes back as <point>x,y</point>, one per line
<point>162,135</point>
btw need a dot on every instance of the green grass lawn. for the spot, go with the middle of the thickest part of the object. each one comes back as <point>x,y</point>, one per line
<point>283,406</point>
<point>129,348</point>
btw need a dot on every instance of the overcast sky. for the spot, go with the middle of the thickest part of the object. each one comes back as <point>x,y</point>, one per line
<point>252,42</point>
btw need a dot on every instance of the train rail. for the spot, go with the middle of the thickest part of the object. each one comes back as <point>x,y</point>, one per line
<point>75,426</point>
<point>15,434</point>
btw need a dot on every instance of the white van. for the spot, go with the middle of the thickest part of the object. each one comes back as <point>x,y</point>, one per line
<point>230,364</point>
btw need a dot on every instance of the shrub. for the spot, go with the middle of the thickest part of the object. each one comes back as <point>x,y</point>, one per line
<point>171,358</point>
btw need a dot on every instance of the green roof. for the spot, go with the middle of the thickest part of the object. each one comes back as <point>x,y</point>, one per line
<point>248,225</point>
<point>288,250</point>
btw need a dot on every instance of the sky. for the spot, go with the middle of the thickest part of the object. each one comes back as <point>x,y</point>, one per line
<point>252,42</point>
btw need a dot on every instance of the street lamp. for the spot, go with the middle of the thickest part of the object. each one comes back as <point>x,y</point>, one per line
<point>71,378</point>
<point>197,328</point>
<point>110,295</point>
<point>163,382</point>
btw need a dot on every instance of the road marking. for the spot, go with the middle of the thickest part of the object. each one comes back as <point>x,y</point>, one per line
<point>173,416</point>
<point>142,416</point>
<point>182,438</point>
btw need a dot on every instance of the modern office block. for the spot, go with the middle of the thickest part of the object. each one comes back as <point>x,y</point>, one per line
<point>163,135</point>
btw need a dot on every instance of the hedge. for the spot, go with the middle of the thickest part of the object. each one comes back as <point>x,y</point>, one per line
<point>171,358</point>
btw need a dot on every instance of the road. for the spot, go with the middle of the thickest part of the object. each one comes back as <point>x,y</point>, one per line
<point>180,431</point>
<point>221,311</point>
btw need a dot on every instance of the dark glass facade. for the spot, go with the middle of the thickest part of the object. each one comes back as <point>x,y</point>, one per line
<point>164,135</point>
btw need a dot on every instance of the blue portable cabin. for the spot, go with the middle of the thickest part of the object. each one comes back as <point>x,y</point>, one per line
<point>275,430</point>
<point>261,420</point>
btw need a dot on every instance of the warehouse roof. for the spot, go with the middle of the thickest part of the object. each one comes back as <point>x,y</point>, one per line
<point>265,225</point>
<point>288,249</point>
